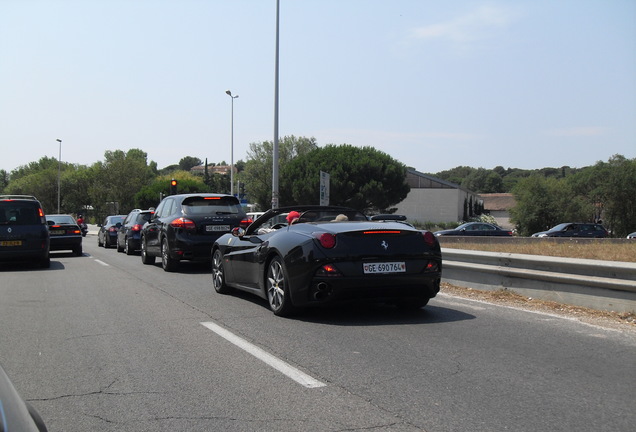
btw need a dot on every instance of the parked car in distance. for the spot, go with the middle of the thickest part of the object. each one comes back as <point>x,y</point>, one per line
<point>328,255</point>
<point>475,229</point>
<point>66,234</point>
<point>185,226</point>
<point>129,234</point>
<point>24,234</point>
<point>107,234</point>
<point>631,235</point>
<point>584,230</point>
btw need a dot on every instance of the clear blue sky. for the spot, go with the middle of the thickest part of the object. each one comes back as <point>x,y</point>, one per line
<point>524,83</point>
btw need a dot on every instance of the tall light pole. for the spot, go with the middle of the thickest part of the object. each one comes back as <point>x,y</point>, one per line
<point>229,93</point>
<point>59,171</point>
<point>275,150</point>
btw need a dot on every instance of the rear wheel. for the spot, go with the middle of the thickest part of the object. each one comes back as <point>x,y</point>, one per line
<point>218,273</point>
<point>145,258</point>
<point>77,250</point>
<point>168,263</point>
<point>45,262</point>
<point>277,288</point>
<point>120,248</point>
<point>127,249</point>
<point>99,241</point>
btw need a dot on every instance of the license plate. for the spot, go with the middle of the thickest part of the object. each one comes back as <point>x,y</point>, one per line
<point>11,243</point>
<point>217,228</point>
<point>58,232</point>
<point>381,268</point>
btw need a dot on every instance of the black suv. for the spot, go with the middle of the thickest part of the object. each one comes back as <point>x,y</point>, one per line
<point>129,234</point>
<point>184,227</point>
<point>24,234</point>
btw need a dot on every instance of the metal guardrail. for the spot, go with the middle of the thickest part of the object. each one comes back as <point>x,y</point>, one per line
<point>603,285</point>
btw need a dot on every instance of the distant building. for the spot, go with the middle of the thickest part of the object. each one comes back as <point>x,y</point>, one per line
<point>435,200</point>
<point>498,205</point>
<point>212,169</point>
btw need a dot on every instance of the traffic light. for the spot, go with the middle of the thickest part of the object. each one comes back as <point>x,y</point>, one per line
<point>173,187</point>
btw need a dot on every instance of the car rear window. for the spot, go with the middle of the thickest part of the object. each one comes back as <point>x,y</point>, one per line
<point>211,205</point>
<point>19,213</point>
<point>61,219</point>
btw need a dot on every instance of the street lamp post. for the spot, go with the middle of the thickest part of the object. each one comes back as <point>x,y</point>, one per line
<point>59,171</point>
<point>229,93</point>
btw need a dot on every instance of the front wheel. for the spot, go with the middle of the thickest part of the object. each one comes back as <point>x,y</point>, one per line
<point>218,273</point>
<point>278,289</point>
<point>168,263</point>
<point>145,258</point>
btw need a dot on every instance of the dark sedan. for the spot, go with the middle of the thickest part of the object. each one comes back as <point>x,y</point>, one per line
<point>584,230</point>
<point>107,234</point>
<point>328,254</point>
<point>475,229</point>
<point>184,227</point>
<point>66,234</point>
<point>129,234</point>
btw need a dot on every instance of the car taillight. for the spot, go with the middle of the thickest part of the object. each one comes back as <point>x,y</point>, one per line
<point>429,238</point>
<point>183,223</point>
<point>245,223</point>
<point>328,270</point>
<point>76,231</point>
<point>136,227</point>
<point>112,229</point>
<point>327,240</point>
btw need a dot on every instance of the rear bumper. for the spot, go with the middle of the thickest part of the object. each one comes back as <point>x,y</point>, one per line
<point>67,243</point>
<point>324,290</point>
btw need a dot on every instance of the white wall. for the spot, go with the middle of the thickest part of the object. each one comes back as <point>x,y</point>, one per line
<point>433,205</point>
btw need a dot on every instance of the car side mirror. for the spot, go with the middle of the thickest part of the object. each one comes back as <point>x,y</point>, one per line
<point>118,225</point>
<point>238,232</point>
<point>50,223</point>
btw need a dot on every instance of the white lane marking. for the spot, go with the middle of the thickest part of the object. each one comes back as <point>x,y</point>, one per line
<point>102,263</point>
<point>278,364</point>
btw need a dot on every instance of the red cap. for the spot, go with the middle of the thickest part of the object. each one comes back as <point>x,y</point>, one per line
<point>292,215</point>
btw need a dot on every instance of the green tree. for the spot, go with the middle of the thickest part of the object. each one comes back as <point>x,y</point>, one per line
<point>362,178</point>
<point>188,162</point>
<point>257,174</point>
<point>618,192</point>
<point>120,177</point>
<point>150,195</point>
<point>545,202</point>
<point>4,179</point>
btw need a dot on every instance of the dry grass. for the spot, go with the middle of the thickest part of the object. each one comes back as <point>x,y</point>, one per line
<point>595,250</point>
<point>616,320</point>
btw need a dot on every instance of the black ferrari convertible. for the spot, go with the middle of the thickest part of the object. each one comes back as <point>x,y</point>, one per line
<point>325,255</point>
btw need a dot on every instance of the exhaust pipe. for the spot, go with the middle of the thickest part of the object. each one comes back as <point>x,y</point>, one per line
<point>322,291</point>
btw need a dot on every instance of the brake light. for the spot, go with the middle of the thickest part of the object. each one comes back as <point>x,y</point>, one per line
<point>77,232</point>
<point>183,223</point>
<point>245,223</point>
<point>112,229</point>
<point>212,198</point>
<point>327,240</point>
<point>382,232</point>
<point>429,238</point>
<point>136,227</point>
<point>40,212</point>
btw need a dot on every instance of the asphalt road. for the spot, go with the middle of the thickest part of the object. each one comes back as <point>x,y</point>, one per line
<point>104,343</point>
